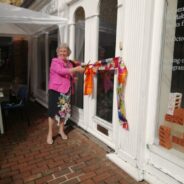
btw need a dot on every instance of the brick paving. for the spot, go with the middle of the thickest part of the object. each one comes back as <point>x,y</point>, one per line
<point>26,158</point>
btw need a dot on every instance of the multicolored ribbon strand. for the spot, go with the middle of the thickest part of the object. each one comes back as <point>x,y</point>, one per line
<point>109,64</point>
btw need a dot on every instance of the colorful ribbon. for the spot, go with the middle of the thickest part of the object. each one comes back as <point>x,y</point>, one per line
<point>109,64</point>
<point>88,83</point>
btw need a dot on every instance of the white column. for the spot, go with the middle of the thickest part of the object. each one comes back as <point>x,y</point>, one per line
<point>91,48</point>
<point>119,42</point>
<point>120,28</point>
<point>136,29</point>
<point>72,39</point>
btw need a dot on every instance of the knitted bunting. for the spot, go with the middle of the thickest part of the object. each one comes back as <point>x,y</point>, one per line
<point>109,64</point>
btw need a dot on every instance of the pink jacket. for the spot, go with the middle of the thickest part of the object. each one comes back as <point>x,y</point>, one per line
<point>60,77</point>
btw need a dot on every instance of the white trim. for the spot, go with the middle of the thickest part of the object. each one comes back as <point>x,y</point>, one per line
<point>169,162</point>
<point>136,173</point>
<point>101,137</point>
<point>78,116</point>
<point>102,122</point>
<point>171,155</point>
<point>156,176</point>
<point>126,157</point>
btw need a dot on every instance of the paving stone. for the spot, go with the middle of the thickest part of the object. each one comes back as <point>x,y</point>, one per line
<point>26,158</point>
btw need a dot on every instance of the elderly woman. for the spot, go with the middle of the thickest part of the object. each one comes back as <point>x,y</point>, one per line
<point>60,83</point>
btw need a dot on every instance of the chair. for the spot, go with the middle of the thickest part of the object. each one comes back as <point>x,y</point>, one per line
<point>20,105</point>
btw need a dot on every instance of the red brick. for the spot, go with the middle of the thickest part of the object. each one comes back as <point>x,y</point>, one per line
<point>17,177</point>
<point>62,172</point>
<point>25,174</point>
<point>6,180</point>
<point>44,179</point>
<point>88,182</point>
<point>75,174</point>
<point>123,181</point>
<point>78,166</point>
<point>18,181</point>
<point>9,173</point>
<point>92,167</point>
<point>102,170</point>
<point>28,168</point>
<point>87,176</point>
<point>113,179</point>
<point>49,171</point>
<point>101,177</point>
<point>54,164</point>
<point>5,170</point>
<point>57,180</point>
<point>33,177</point>
<point>9,164</point>
<point>72,181</point>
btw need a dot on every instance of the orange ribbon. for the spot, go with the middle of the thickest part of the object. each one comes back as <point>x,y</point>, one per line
<point>88,84</point>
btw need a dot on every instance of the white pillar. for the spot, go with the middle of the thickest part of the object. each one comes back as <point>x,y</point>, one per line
<point>91,48</point>
<point>72,39</point>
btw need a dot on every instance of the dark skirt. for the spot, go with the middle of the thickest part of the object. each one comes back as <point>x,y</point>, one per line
<point>59,107</point>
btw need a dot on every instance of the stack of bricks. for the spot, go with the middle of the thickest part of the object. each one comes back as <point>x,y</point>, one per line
<point>178,140</point>
<point>176,124</point>
<point>174,102</point>
<point>171,133</point>
<point>178,133</point>
<point>165,136</point>
<point>177,117</point>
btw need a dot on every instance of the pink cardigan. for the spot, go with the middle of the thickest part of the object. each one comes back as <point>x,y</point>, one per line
<point>60,77</point>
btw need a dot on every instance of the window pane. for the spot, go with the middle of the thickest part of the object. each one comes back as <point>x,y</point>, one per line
<point>171,113</point>
<point>53,43</point>
<point>77,98</point>
<point>107,41</point>
<point>105,94</point>
<point>41,63</point>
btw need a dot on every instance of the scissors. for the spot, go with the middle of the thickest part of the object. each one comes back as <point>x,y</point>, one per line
<point>85,65</point>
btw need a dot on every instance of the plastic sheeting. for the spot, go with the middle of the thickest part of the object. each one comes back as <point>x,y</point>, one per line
<point>21,21</point>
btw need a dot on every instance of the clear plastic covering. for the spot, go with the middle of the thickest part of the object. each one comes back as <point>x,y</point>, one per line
<point>17,20</point>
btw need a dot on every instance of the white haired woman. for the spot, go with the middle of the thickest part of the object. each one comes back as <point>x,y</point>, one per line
<point>60,84</point>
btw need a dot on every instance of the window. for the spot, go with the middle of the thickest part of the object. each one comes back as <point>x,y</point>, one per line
<point>171,112</point>
<point>41,63</point>
<point>107,41</point>
<point>77,98</point>
<point>53,43</point>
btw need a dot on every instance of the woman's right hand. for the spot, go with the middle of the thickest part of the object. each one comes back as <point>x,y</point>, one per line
<point>79,69</point>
